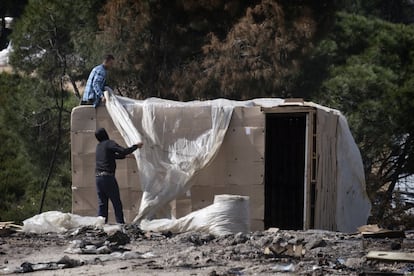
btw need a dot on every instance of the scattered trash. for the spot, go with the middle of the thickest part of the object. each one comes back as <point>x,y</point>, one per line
<point>272,230</point>
<point>283,268</point>
<point>8,227</point>
<point>112,229</point>
<point>341,261</point>
<point>118,238</point>
<point>101,245</point>
<point>354,263</point>
<point>285,250</point>
<point>282,252</point>
<point>65,262</point>
<point>198,238</point>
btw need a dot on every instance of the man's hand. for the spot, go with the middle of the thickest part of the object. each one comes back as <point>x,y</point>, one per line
<point>139,145</point>
<point>103,99</point>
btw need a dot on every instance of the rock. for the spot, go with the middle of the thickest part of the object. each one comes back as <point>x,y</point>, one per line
<point>272,230</point>
<point>295,240</point>
<point>265,241</point>
<point>167,234</point>
<point>69,263</point>
<point>103,250</point>
<point>316,243</point>
<point>395,246</point>
<point>27,267</point>
<point>354,263</point>
<point>283,268</point>
<point>206,238</point>
<point>240,238</point>
<point>195,239</point>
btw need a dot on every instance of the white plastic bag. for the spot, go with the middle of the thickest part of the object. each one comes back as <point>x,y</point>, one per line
<point>57,222</point>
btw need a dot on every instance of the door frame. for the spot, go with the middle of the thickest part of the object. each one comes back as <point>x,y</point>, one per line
<point>309,191</point>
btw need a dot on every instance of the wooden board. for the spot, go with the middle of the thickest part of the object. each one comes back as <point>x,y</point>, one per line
<point>326,190</point>
<point>391,256</point>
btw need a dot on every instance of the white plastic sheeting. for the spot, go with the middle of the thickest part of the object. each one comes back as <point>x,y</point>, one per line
<point>57,222</point>
<point>351,210</point>
<point>5,54</point>
<point>228,214</point>
<point>168,161</point>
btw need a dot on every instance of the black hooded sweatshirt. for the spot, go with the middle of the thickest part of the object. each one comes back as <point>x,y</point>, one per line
<point>107,151</point>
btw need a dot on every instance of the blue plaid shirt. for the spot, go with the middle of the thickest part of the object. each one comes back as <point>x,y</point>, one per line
<point>95,85</point>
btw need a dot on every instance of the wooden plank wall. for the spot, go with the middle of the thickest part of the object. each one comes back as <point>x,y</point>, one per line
<point>325,205</point>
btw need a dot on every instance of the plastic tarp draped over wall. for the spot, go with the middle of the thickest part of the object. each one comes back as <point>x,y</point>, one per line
<point>169,159</point>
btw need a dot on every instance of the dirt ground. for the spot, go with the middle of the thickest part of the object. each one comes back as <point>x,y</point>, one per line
<point>133,252</point>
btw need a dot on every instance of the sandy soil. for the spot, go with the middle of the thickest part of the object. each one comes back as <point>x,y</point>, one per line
<point>321,253</point>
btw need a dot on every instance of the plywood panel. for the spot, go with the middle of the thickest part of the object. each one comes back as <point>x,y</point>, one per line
<point>247,136</point>
<point>215,174</point>
<point>126,179</point>
<point>247,116</point>
<point>256,225</point>
<point>83,142</point>
<point>83,118</point>
<point>181,207</point>
<point>83,170</point>
<point>130,198</point>
<point>89,212</point>
<point>245,173</point>
<point>84,198</point>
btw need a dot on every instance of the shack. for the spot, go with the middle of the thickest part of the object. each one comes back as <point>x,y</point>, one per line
<point>296,160</point>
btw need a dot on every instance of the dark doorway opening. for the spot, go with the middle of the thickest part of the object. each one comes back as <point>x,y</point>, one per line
<point>284,170</point>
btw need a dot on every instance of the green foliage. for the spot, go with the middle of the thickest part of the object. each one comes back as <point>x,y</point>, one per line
<point>207,49</point>
<point>26,129</point>
<point>46,40</point>
<point>56,34</point>
<point>367,67</point>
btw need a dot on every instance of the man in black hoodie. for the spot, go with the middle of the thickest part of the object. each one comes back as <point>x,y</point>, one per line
<point>106,185</point>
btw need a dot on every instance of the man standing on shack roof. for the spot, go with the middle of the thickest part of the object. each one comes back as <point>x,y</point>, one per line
<point>93,94</point>
<point>106,185</point>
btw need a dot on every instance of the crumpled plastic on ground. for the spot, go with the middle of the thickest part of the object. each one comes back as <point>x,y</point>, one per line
<point>58,222</point>
<point>229,214</point>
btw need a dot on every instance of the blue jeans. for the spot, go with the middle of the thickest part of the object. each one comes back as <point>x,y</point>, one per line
<point>107,188</point>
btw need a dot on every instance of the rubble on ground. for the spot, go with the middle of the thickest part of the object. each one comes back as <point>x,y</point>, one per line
<point>311,252</point>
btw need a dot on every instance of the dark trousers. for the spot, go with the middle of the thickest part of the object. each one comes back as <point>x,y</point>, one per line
<point>107,188</point>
